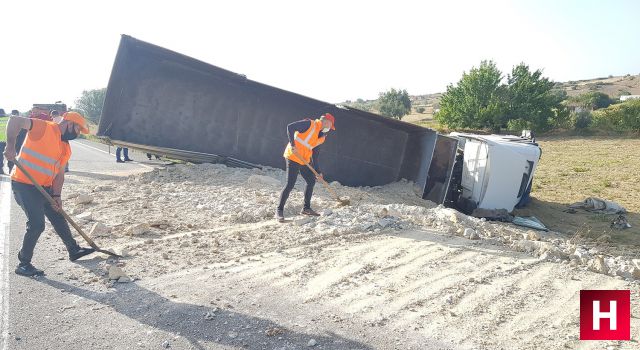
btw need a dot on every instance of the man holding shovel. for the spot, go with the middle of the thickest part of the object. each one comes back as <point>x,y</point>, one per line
<point>44,155</point>
<point>305,137</point>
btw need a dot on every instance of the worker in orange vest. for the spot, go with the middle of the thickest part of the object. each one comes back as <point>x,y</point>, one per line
<point>44,154</point>
<point>305,137</point>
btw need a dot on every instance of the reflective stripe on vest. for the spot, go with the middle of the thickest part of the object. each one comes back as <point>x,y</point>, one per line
<point>42,156</point>
<point>305,142</point>
<point>39,156</point>
<point>35,167</point>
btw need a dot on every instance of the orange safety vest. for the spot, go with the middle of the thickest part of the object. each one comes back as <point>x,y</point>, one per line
<point>43,154</point>
<point>305,143</point>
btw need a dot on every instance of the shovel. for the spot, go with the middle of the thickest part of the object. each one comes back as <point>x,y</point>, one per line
<point>343,201</point>
<point>64,214</point>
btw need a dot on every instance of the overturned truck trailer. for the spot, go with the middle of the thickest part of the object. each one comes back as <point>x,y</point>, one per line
<point>164,102</point>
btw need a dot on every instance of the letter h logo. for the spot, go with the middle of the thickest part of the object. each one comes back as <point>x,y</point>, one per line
<point>605,315</point>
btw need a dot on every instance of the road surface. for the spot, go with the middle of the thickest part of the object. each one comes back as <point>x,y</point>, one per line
<point>44,313</point>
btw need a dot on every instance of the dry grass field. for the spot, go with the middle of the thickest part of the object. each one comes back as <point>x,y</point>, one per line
<point>573,168</point>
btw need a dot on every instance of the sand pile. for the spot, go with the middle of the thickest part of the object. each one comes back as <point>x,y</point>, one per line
<point>196,214</point>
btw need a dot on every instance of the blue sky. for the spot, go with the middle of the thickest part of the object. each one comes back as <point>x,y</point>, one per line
<point>330,50</point>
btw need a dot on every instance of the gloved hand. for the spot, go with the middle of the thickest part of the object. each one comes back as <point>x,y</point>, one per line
<point>10,153</point>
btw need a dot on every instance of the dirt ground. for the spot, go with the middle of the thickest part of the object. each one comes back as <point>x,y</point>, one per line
<point>389,271</point>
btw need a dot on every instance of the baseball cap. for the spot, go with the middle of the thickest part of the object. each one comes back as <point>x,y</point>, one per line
<point>78,119</point>
<point>331,118</point>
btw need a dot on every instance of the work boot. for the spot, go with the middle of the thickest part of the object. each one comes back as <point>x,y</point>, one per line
<point>309,211</point>
<point>80,253</point>
<point>26,269</point>
<point>119,161</point>
<point>280,215</point>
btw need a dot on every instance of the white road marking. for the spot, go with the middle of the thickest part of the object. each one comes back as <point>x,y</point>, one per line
<point>5,232</point>
<point>103,151</point>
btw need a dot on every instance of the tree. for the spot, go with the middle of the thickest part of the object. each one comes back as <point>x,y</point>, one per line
<point>481,101</point>
<point>90,103</point>
<point>477,101</point>
<point>394,103</point>
<point>532,101</point>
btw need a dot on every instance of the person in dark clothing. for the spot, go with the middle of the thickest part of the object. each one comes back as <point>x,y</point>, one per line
<point>43,156</point>
<point>305,138</point>
<point>124,150</point>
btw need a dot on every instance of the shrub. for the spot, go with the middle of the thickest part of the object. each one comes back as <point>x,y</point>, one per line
<point>593,100</point>
<point>517,125</point>
<point>619,117</point>
<point>582,120</point>
<point>420,109</point>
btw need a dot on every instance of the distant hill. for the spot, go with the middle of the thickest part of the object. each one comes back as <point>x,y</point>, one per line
<point>612,86</point>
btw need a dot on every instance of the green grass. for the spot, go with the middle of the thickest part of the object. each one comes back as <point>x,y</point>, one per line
<point>3,129</point>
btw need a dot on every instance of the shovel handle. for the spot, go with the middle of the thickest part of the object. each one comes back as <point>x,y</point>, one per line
<point>60,210</point>
<point>324,182</point>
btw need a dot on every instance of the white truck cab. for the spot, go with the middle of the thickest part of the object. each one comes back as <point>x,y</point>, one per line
<point>497,171</point>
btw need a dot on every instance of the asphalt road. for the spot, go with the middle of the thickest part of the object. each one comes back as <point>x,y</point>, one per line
<point>45,313</point>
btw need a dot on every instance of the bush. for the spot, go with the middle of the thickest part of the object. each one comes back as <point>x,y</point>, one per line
<point>582,120</point>
<point>420,109</point>
<point>516,125</point>
<point>593,100</point>
<point>619,117</point>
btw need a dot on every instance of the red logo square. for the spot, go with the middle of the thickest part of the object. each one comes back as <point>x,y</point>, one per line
<point>605,315</point>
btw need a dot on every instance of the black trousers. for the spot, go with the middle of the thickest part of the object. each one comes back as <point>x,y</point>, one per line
<point>293,169</point>
<point>36,207</point>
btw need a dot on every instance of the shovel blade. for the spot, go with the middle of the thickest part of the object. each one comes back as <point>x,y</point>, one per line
<point>109,253</point>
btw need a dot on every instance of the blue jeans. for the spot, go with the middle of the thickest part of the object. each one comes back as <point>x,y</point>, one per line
<point>119,150</point>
